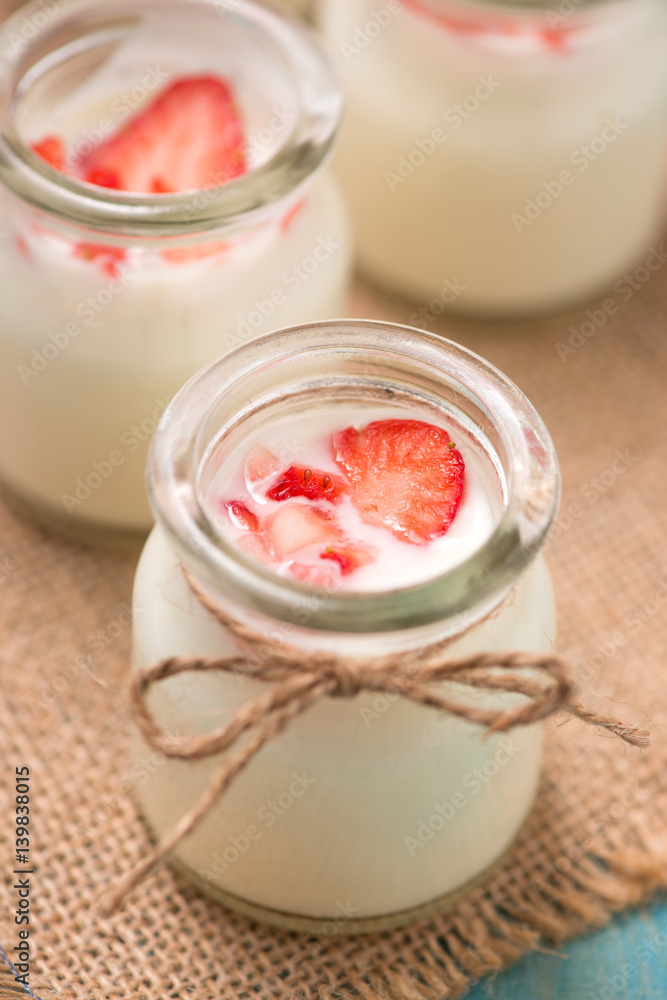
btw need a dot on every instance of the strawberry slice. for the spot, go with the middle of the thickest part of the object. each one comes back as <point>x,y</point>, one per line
<point>297,526</point>
<point>348,556</point>
<point>255,546</point>
<point>315,574</point>
<point>190,137</point>
<point>52,149</point>
<point>299,481</point>
<point>240,516</point>
<point>260,464</point>
<point>406,475</point>
<point>109,257</point>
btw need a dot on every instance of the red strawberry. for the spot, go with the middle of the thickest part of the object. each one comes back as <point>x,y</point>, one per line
<point>348,556</point>
<point>299,481</point>
<point>190,137</point>
<point>108,256</point>
<point>406,474</point>
<point>51,149</point>
<point>240,516</point>
<point>291,214</point>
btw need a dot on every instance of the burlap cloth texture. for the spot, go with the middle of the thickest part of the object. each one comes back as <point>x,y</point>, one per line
<point>597,839</point>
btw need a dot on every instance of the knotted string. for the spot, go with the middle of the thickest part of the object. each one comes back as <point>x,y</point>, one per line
<point>299,679</point>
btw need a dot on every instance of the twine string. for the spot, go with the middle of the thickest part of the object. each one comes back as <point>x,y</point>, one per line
<point>300,679</point>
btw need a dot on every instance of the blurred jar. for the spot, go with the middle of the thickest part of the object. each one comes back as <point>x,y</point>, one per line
<point>112,300</point>
<point>502,157</point>
<point>302,6</point>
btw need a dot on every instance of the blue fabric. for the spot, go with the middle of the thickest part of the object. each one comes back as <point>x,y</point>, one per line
<point>625,961</point>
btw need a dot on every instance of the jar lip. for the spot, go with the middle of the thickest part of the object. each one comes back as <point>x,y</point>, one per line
<point>179,444</point>
<point>238,202</point>
<point>521,6</point>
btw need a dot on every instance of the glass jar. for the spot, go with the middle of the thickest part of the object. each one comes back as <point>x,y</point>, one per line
<point>302,6</point>
<point>372,803</point>
<point>502,157</point>
<point>113,300</point>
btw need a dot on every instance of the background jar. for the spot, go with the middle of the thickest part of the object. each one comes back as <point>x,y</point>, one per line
<point>373,773</point>
<point>113,300</point>
<point>505,157</point>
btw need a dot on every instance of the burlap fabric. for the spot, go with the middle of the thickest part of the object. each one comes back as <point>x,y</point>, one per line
<point>597,839</point>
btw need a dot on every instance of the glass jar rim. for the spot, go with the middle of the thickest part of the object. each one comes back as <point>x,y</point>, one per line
<point>180,444</point>
<point>239,202</point>
<point>527,6</point>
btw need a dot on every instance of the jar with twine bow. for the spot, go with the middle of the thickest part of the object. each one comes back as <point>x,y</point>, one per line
<point>332,761</point>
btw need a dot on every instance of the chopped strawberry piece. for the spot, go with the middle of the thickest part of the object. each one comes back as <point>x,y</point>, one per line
<point>296,526</point>
<point>158,186</point>
<point>260,464</point>
<point>557,38</point>
<point>240,516</point>
<point>348,556</point>
<point>291,214</point>
<point>104,178</point>
<point>22,246</point>
<point>108,257</point>
<point>315,574</point>
<point>183,255</point>
<point>406,474</point>
<point>190,137</point>
<point>51,148</point>
<point>299,481</point>
<point>255,546</point>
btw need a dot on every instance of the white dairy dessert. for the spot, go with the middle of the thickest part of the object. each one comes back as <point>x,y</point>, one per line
<point>373,802</point>
<point>307,443</point>
<point>100,326</point>
<point>501,172</point>
<point>91,362</point>
<point>384,803</point>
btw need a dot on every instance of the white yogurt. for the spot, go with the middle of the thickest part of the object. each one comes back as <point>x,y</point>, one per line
<point>93,349</point>
<point>495,173</point>
<point>307,442</point>
<point>363,808</point>
<point>90,362</point>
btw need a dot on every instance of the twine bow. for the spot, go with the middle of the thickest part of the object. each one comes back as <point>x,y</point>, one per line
<point>299,679</point>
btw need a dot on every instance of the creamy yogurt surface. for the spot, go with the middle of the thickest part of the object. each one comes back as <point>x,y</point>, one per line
<point>306,441</point>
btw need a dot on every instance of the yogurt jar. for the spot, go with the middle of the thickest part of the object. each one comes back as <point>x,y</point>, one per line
<point>372,803</point>
<point>503,157</point>
<point>113,298</point>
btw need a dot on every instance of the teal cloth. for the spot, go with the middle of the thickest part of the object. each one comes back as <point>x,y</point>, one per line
<point>627,960</point>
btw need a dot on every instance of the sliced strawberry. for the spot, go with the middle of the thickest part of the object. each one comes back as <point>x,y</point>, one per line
<point>190,137</point>
<point>22,246</point>
<point>52,149</point>
<point>299,481</point>
<point>109,257</point>
<point>296,526</point>
<point>406,474</point>
<point>260,464</point>
<point>315,574</point>
<point>348,556</point>
<point>481,24</point>
<point>255,545</point>
<point>240,516</point>
<point>183,255</point>
<point>291,214</point>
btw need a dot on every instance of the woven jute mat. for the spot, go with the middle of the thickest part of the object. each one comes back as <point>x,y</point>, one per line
<point>597,839</point>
